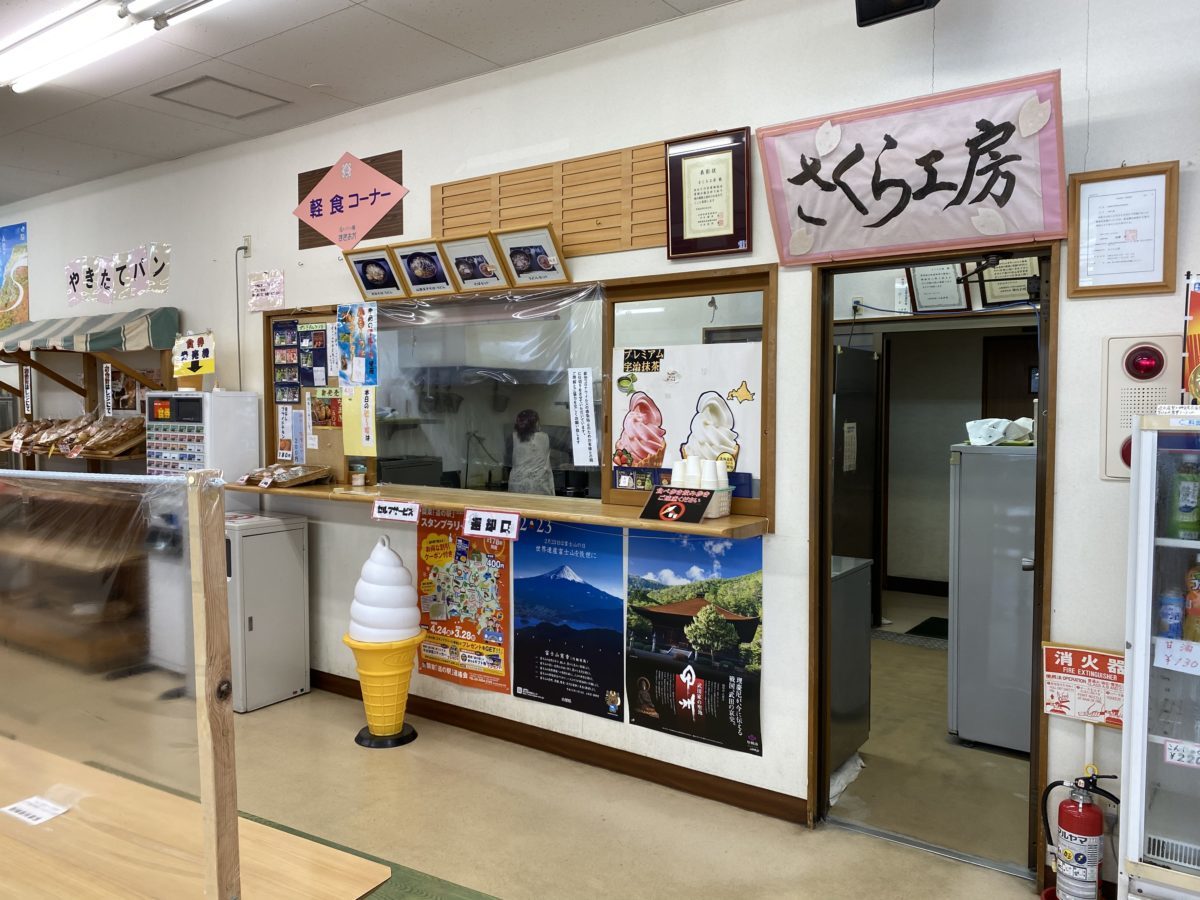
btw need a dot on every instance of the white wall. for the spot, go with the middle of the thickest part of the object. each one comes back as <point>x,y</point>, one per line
<point>1128,96</point>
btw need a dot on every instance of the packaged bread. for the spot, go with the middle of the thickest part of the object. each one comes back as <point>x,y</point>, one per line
<point>119,432</point>
<point>26,430</point>
<point>64,430</point>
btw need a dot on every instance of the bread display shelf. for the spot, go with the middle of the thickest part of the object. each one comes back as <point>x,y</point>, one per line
<point>132,448</point>
<point>555,509</point>
<point>69,554</point>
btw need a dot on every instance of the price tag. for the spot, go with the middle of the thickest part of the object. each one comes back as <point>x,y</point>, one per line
<point>18,444</point>
<point>395,511</point>
<point>1182,753</point>
<point>1178,656</point>
<point>491,523</point>
<point>34,811</point>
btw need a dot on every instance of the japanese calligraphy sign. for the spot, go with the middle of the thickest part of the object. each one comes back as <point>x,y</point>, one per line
<point>194,354</point>
<point>569,608</point>
<point>1085,684</point>
<point>491,523</point>
<point>349,200</point>
<point>122,276</point>
<point>969,168</point>
<point>107,380</point>
<point>465,604</point>
<point>395,511</point>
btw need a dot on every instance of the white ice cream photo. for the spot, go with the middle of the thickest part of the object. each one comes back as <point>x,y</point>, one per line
<point>711,433</point>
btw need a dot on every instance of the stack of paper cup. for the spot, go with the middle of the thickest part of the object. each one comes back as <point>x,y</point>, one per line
<point>678,469</point>
<point>708,475</point>
<point>691,472</point>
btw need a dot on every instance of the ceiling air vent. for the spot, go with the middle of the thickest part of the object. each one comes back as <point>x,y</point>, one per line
<point>216,96</point>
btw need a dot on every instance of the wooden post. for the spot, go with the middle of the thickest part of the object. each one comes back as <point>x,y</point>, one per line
<point>214,709</point>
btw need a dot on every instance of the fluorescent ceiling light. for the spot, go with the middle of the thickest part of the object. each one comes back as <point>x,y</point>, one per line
<point>189,14</point>
<point>641,312</point>
<point>45,22</point>
<point>62,40</point>
<point>98,50</point>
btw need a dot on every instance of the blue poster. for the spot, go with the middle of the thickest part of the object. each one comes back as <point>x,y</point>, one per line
<point>569,607</point>
<point>357,334</point>
<point>694,654</point>
<point>14,275</point>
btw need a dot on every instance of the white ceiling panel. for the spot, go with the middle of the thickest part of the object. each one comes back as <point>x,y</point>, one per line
<point>19,111</point>
<point>70,159</point>
<point>360,56</point>
<point>147,61</point>
<point>245,22</point>
<point>520,30</point>
<point>692,6</point>
<point>131,129</point>
<point>303,106</point>
<point>20,184</point>
<point>17,14</point>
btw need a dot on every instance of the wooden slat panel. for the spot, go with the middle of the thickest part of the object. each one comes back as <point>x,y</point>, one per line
<point>522,175</point>
<point>481,221</point>
<point>593,187</point>
<point>539,185</point>
<point>591,163</point>
<point>591,175</point>
<point>648,228</point>
<point>599,204</point>
<point>454,188</point>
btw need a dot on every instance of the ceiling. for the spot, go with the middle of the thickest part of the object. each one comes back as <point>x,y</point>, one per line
<point>256,67</point>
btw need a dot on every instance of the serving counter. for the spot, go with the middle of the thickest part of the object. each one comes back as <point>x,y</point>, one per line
<point>554,509</point>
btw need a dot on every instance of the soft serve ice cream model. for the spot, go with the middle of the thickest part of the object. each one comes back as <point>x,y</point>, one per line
<point>385,633</point>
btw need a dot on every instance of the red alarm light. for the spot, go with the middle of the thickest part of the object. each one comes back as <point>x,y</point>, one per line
<point>1127,452</point>
<point>1145,362</point>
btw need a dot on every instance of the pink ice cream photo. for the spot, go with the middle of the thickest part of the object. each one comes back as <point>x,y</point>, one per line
<point>643,439</point>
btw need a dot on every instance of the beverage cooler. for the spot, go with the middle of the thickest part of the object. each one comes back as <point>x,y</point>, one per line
<point>1160,808</point>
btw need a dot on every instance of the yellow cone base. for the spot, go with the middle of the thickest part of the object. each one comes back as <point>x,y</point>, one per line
<point>384,673</point>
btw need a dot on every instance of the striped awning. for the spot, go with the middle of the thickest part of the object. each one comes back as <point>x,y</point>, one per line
<point>131,329</point>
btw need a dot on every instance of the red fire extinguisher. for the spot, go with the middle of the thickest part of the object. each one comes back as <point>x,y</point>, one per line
<point>1079,838</point>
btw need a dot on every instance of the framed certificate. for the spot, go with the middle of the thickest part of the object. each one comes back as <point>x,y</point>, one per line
<point>936,289</point>
<point>708,194</point>
<point>1123,231</point>
<point>1007,281</point>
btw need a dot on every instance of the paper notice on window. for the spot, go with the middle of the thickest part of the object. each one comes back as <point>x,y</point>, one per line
<point>358,421</point>
<point>299,435</point>
<point>332,351</point>
<point>849,446</point>
<point>34,810</point>
<point>585,444</point>
<point>1178,656</point>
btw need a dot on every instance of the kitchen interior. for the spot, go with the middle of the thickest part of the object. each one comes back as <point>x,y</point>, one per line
<point>932,583</point>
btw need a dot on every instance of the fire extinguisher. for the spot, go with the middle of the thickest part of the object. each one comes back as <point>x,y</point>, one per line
<point>1079,848</point>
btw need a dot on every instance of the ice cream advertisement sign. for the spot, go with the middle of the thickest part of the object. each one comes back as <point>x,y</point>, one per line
<point>690,400</point>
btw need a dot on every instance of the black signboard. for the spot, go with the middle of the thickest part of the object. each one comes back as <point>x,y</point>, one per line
<point>676,504</point>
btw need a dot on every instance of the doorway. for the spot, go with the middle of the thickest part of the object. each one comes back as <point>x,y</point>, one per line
<point>893,385</point>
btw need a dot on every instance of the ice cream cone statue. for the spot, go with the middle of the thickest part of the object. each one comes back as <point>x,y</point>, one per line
<point>385,632</point>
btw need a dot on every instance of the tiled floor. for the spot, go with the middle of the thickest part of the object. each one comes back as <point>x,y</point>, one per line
<point>920,781</point>
<point>498,818</point>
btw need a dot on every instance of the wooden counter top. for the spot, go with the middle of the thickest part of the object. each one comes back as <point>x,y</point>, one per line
<point>556,509</point>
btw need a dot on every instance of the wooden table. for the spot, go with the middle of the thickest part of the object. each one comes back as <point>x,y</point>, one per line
<point>124,840</point>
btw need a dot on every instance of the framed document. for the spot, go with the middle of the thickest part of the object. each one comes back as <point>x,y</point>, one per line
<point>708,194</point>
<point>1008,281</point>
<point>936,289</point>
<point>1123,231</point>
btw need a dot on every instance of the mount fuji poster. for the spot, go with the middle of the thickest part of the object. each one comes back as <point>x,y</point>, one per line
<point>568,598</point>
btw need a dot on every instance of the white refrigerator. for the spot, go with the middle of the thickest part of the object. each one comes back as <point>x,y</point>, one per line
<point>993,492</point>
<point>1159,848</point>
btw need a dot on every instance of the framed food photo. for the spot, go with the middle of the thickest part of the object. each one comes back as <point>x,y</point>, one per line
<point>374,271</point>
<point>475,263</point>
<point>708,194</point>
<point>422,268</point>
<point>936,289</point>
<point>1123,231</point>
<point>531,255</point>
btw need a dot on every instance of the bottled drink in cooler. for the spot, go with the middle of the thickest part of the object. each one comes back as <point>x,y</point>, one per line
<point>1191,612</point>
<point>1185,499</point>
<point>1170,615</point>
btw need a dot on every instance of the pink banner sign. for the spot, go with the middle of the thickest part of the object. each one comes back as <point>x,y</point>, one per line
<point>975,167</point>
<point>349,201</point>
